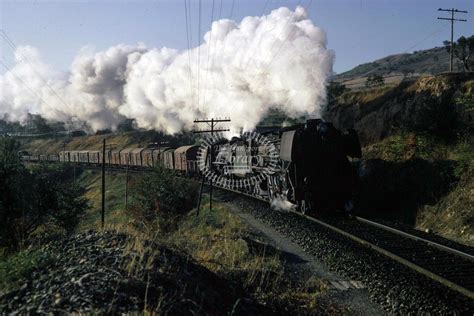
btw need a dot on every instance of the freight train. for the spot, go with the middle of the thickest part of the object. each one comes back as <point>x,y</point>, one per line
<point>307,164</point>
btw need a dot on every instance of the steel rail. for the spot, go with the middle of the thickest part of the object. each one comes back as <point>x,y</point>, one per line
<point>395,257</point>
<point>407,235</point>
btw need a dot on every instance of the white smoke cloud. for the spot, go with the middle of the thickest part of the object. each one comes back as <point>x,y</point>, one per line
<point>275,61</point>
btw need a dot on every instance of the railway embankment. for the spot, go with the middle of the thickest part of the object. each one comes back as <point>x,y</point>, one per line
<point>418,152</point>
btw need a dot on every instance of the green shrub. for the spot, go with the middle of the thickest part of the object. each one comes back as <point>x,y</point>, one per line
<point>160,198</point>
<point>18,267</point>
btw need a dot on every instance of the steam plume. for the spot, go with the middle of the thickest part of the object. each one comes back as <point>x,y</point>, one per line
<point>275,61</point>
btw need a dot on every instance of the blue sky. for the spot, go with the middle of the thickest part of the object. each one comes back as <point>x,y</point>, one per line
<point>358,30</point>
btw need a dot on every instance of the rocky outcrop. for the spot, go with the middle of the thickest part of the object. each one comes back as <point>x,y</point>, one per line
<point>381,112</point>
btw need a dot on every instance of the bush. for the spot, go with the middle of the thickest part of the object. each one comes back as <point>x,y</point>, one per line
<point>34,198</point>
<point>439,117</point>
<point>160,198</point>
<point>374,81</point>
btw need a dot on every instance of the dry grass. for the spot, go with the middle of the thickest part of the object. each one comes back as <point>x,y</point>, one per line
<point>217,241</point>
<point>220,242</point>
<point>114,198</point>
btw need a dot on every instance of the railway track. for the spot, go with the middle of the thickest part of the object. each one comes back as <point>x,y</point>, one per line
<point>451,267</point>
<point>446,265</point>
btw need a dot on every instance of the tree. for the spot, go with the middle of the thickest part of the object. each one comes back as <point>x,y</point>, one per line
<point>374,81</point>
<point>407,73</point>
<point>463,49</point>
<point>335,89</point>
<point>33,198</point>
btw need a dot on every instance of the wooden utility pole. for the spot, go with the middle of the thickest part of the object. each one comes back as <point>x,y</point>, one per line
<point>126,187</point>
<point>452,19</point>
<point>212,124</point>
<point>103,185</point>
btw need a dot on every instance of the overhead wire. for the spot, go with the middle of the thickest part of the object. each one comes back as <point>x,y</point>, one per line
<point>215,49</point>
<point>12,44</point>
<point>223,47</point>
<point>188,42</point>
<point>208,54</point>
<point>24,83</point>
<point>400,55</point>
<point>199,56</point>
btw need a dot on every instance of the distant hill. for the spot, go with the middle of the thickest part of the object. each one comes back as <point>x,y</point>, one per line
<point>395,67</point>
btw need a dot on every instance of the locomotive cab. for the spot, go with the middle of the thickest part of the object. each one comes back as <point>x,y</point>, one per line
<point>319,174</point>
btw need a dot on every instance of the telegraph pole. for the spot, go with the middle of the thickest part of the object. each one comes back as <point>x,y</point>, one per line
<point>452,19</point>
<point>212,124</point>
<point>126,186</point>
<point>103,185</point>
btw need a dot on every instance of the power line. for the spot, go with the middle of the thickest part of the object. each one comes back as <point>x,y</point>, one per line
<point>452,19</point>
<point>10,42</point>
<point>405,51</point>
<point>188,31</point>
<point>223,46</point>
<point>24,83</point>
<point>199,53</point>
<point>215,45</point>
<point>208,53</point>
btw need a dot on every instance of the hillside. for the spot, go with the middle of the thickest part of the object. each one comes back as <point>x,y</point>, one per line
<point>140,139</point>
<point>395,68</point>
<point>429,61</point>
<point>418,155</point>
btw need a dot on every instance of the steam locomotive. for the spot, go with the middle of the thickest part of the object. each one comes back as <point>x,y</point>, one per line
<point>306,164</point>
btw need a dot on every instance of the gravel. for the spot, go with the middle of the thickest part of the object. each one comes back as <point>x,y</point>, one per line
<point>394,287</point>
<point>90,273</point>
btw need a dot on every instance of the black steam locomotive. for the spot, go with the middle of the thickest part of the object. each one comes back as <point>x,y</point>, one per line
<point>306,165</point>
<point>318,173</point>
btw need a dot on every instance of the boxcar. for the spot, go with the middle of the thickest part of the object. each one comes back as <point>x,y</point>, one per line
<point>184,154</point>
<point>94,157</point>
<point>168,159</point>
<point>115,157</point>
<point>53,158</point>
<point>83,156</point>
<point>136,157</point>
<point>107,157</point>
<point>158,156</point>
<point>64,156</point>
<point>147,157</point>
<point>74,156</point>
<point>125,157</point>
